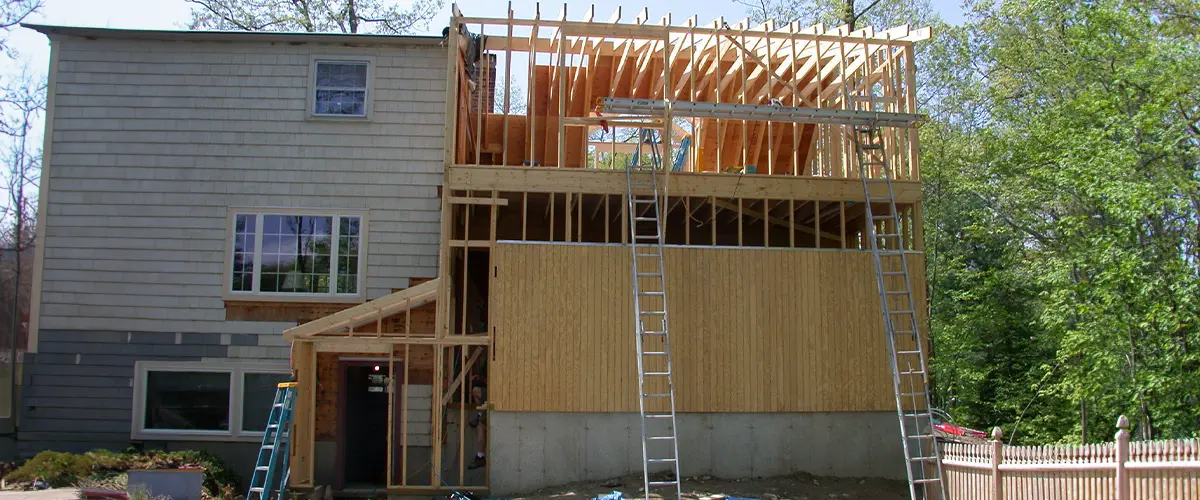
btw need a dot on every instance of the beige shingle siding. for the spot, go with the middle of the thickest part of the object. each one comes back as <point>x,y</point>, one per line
<point>153,140</point>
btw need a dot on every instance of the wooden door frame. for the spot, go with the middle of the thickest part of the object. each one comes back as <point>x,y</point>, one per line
<point>343,364</point>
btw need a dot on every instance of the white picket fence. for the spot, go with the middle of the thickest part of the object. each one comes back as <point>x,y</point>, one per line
<point>1146,470</point>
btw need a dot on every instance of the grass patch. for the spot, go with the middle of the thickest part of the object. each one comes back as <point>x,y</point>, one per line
<point>106,469</point>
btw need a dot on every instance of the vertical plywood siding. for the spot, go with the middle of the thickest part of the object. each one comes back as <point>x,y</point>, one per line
<point>751,330</point>
<point>154,140</point>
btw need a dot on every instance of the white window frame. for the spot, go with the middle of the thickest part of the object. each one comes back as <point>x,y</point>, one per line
<point>368,101</point>
<point>237,373</point>
<point>332,296</point>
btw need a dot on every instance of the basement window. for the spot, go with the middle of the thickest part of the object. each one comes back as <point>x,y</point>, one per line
<point>340,88</point>
<point>296,254</point>
<point>202,400</point>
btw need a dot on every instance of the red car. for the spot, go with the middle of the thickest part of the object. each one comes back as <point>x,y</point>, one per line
<point>943,423</point>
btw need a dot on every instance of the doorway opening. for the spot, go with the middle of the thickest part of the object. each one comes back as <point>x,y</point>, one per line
<point>363,424</point>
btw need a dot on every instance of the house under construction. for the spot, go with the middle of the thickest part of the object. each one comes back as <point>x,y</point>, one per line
<point>666,247</point>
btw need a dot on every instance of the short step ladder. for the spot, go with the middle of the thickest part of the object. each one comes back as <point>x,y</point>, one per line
<point>656,392</point>
<point>271,472</point>
<point>910,378</point>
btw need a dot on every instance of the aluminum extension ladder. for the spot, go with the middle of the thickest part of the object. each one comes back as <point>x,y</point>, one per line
<point>656,392</point>
<point>910,375</point>
<point>271,471</point>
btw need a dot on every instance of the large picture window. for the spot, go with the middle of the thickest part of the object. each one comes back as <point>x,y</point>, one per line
<point>222,401</point>
<point>296,254</point>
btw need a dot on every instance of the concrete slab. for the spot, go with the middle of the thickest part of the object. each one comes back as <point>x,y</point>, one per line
<point>50,494</point>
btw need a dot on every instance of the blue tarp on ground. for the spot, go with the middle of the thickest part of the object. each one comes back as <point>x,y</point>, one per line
<point>615,495</point>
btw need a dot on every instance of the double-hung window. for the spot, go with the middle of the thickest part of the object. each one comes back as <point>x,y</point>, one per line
<point>219,401</point>
<point>341,88</point>
<point>296,254</point>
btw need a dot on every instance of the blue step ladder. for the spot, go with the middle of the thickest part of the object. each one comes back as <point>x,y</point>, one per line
<point>271,471</point>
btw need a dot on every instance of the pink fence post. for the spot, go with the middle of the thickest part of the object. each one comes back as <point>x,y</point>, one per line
<point>997,457</point>
<point>1122,457</point>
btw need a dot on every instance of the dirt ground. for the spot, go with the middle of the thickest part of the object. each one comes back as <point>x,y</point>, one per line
<point>794,487</point>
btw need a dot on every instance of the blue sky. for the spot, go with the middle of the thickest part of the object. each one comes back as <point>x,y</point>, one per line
<point>173,14</point>
<point>34,49</point>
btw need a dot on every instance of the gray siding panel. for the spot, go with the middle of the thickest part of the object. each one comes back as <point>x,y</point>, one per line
<point>78,391</point>
<point>154,141</point>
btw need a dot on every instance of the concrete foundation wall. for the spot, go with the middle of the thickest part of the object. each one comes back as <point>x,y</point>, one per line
<point>534,450</point>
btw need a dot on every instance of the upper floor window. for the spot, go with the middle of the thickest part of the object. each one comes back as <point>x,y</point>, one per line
<point>341,88</point>
<point>308,254</point>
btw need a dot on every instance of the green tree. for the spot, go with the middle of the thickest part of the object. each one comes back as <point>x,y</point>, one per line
<point>1061,165</point>
<point>1068,135</point>
<point>313,16</point>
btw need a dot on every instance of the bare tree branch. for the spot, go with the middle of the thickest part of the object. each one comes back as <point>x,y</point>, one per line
<point>313,16</point>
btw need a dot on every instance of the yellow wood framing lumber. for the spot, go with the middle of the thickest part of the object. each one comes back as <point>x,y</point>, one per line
<point>367,312</point>
<point>772,219</point>
<point>655,32</point>
<point>462,200</point>
<point>554,180</point>
<point>304,362</point>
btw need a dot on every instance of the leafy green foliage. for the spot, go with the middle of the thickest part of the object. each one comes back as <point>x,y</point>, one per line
<point>61,469</point>
<point>1063,220</point>
<point>57,468</point>
<point>1062,209</point>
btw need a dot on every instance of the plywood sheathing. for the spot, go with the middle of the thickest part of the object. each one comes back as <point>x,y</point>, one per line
<point>753,331</point>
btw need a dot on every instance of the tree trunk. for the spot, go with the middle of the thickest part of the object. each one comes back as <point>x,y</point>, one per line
<point>352,14</point>
<point>1083,421</point>
<point>848,17</point>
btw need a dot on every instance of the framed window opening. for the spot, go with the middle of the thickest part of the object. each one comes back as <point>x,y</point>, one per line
<point>341,87</point>
<point>204,400</point>
<point>282,254</point>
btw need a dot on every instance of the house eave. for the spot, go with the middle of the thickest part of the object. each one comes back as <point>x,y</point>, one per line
<point>53,31</point>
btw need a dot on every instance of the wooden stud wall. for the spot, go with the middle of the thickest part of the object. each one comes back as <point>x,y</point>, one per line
<point>569,66</point>
<point>751,330</point>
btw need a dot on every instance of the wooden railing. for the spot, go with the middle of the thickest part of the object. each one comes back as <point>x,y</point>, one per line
<point>1166,470</point>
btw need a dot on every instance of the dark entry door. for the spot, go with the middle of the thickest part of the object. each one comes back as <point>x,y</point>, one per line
<point>362,425</point>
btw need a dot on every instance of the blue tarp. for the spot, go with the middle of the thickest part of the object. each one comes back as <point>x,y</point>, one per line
<point>615,495</point>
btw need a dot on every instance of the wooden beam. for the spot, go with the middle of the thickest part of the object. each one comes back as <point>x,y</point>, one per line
<point>304,363</point>
<point>642,30</point>
<point>594,181</point>
<point>356,344</point>
<point>462,200</point>
<point>387,305</point>
<point>336,343</point>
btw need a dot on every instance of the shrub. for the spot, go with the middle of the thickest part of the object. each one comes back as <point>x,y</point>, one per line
<point>111,460</point>
<point>58,469</point>
<point>106,469</point>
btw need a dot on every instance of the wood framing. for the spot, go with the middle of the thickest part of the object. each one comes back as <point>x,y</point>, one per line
<point>571,66</point>
<point>537,180</point>
<point>774,194</point>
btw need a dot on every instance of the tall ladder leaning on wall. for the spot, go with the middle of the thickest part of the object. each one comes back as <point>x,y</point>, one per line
<point>910,374</point>
<point>656,388</point>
